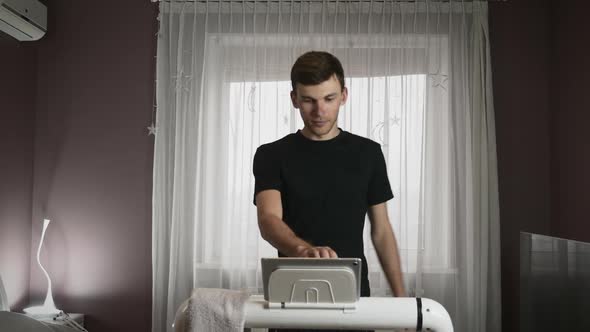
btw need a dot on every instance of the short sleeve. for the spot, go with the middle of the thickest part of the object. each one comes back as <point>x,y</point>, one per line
<point>379,187</point>
<point>267,170</point>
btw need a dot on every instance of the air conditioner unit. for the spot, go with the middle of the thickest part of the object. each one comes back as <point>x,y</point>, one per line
<point>24,20</point>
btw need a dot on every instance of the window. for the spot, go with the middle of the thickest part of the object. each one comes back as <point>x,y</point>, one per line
<point>261,111</point>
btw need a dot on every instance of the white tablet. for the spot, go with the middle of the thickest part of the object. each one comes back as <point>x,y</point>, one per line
<point>296,282</point>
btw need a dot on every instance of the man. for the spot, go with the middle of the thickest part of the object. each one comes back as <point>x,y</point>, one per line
<point>314,187</point>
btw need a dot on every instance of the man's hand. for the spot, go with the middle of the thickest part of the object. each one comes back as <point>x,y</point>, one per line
<point>316,252</point>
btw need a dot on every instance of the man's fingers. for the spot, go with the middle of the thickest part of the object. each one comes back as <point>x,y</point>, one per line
<point>318,252</point>
<point>333,254</point>
<point>327,252</point>
<point>313,253</point>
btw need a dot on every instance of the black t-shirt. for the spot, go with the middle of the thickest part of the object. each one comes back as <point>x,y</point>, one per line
<point>326,188</point>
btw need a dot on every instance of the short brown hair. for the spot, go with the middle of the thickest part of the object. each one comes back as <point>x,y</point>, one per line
<point>315,67</point>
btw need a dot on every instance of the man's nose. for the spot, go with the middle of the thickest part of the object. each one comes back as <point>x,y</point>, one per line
<point>319,108</point>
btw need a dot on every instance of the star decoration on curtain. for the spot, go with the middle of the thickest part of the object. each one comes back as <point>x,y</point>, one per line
<point>181,81</point>
<point>151,130</point>
<point>439,80</point>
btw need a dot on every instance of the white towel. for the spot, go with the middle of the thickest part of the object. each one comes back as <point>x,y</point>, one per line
<point>217,310</point>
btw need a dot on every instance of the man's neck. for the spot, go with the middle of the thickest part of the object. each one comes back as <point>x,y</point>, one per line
<point>328,136</point>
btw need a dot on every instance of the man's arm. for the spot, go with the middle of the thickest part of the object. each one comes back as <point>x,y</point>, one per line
<point>274,230</point>
<point>386,247</point>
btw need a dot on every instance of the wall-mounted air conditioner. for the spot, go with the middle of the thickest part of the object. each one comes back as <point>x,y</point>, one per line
<point>24,20</point>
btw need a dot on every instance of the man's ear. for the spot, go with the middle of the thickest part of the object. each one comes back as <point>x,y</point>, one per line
<point>294,99</point>
<point>344,96</point>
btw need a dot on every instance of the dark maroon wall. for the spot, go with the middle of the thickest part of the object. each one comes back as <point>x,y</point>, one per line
<point>520,41</point>
<point>93,160</point>
<point>540,64</point>
<point>17,106</point>
<point>570,106</point>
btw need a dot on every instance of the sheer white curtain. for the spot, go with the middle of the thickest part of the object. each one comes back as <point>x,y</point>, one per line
<point>419,82</point>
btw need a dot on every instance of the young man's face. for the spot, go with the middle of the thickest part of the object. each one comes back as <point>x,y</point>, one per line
<point>319,106</point>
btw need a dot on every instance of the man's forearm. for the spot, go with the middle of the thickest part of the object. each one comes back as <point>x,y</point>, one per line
<point>279,235</point>
<point>388,254</point>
